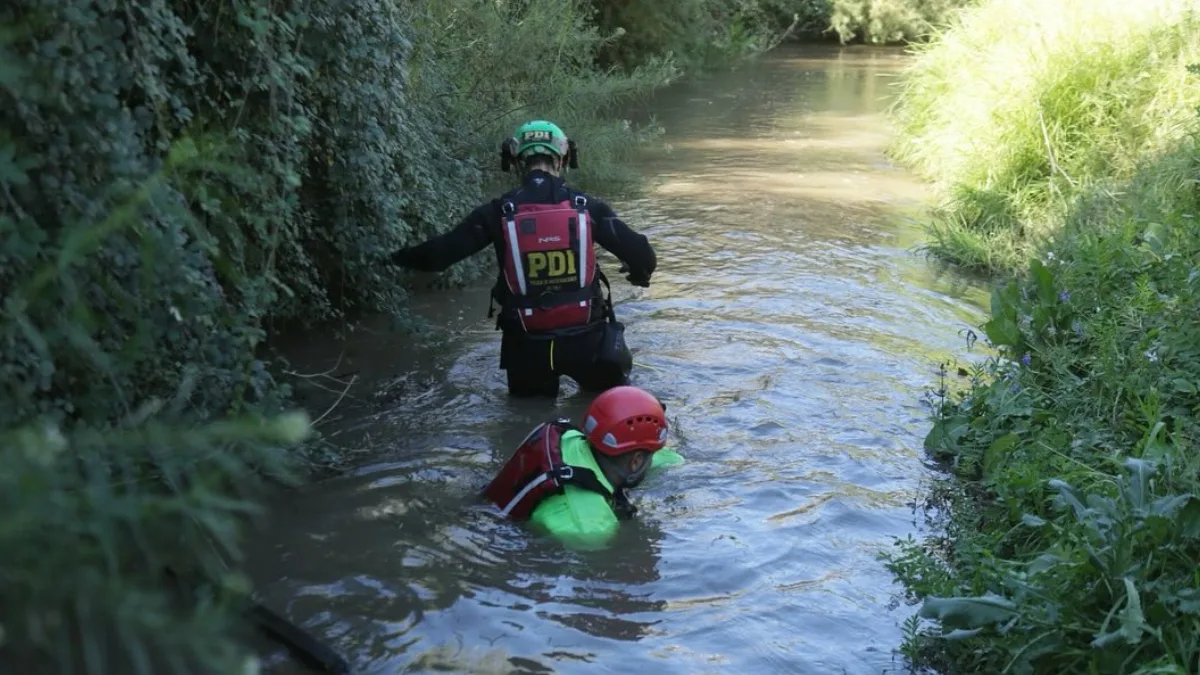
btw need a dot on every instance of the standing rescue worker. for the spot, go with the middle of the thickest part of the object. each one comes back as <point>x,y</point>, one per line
<point>555,317</point>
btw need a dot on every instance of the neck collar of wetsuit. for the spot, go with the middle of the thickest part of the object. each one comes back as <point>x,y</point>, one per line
<point>541,177</point>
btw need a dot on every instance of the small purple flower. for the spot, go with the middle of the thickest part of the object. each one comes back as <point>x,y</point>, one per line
<point>1014,387</point>
<point>1027,359</point>
<point>1064,296</point>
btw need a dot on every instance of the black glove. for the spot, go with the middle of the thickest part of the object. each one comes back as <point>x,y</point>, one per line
<point>642,280</point>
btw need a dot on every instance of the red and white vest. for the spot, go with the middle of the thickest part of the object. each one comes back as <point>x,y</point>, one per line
<point>536,470</point>
<point>549,264</point>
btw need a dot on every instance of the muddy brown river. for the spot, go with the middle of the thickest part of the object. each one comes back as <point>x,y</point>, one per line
<point>793,333</point>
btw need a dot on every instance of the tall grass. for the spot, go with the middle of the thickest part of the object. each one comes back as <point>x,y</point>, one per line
<point>1023,105</point>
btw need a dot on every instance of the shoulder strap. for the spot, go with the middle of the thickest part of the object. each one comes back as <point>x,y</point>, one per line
<point>608,303</point>
<point>586,478</point>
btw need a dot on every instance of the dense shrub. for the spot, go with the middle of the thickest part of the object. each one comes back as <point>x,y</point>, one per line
<point>696,33</point>
<point>1075,503</point>
<point>891,21</point>
<point>701,33</point>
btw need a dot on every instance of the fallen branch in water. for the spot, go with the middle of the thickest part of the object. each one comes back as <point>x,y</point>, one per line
<point>298,641</point>
<point>339,400</point>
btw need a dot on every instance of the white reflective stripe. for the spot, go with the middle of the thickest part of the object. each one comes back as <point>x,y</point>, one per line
<point>515,253</point>
<point>524,491</point>
<point>583,242</point>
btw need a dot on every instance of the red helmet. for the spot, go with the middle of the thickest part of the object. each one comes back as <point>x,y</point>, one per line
<point>624,419</point>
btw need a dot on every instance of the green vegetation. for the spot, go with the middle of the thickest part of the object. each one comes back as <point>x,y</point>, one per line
<point>891,21</point>
<point>1065,138</point>
<point>704,33</point>
<point>1022,107</point>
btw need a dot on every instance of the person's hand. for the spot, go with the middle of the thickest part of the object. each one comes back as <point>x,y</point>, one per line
<point>638,279</point>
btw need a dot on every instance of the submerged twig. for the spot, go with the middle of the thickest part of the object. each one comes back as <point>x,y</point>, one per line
<point>338,401</point>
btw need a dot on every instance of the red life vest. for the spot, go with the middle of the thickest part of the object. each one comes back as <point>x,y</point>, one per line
<point>549,264</point>
<point>536,471</point>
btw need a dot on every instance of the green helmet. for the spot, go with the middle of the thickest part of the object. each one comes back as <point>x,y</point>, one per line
<point>541,137</point>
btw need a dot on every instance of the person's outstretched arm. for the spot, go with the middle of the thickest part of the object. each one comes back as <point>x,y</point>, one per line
<point>467,238</point>
<point>631,247</point>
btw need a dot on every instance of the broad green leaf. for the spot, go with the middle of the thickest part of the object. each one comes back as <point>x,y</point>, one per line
<point>972,612</point>
<point>1044,562</point>
<point>1069,495</point>
<point>1188,519</point>
<point>994,456</point>
<point>944,436</point>
<point>1140,472</point>
<point>1003,332</point>
<point>1187,600</point>
<point>1166,507</point>
<point>1044,281</point>
<point>1032,521</point>
<point>1133,620</point>
<point>1156,237</point>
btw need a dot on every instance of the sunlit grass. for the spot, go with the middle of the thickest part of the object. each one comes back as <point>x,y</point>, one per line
<point>1025,104</point>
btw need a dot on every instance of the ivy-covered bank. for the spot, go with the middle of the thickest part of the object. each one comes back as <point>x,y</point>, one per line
<point>1064,138</point>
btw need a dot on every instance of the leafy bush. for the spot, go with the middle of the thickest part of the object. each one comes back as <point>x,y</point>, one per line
<point>891,21</point>
<point>700,34</point>
<point>1023,105</point>
<point>92,520</point>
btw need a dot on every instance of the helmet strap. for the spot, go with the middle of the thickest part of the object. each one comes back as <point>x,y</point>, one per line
<point>618,470</point>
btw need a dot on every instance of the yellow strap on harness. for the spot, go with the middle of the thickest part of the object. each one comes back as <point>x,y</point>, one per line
<point>552,354</point>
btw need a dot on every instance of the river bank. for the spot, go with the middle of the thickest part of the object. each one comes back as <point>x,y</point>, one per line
<point>1062,141</point>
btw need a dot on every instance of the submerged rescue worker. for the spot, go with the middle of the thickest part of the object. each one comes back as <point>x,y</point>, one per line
<point>554,315</point>
<point>572,481</point>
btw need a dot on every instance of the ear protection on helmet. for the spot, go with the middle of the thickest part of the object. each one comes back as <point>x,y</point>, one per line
<point>572,154</point>
<point>508,153</point>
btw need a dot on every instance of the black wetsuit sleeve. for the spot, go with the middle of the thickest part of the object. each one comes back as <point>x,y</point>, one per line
<point>469,237</point>
<point>633,248</point>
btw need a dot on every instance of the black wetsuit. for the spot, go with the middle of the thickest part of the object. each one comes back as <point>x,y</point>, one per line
<point>534,363</point>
